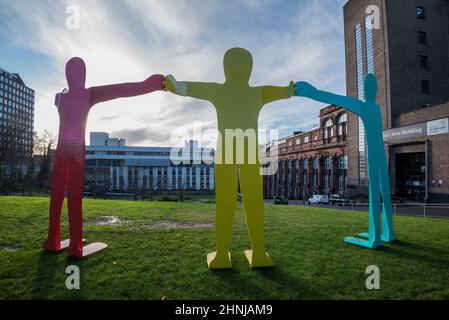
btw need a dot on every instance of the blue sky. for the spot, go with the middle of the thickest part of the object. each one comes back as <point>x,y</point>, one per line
<point>128,40</point>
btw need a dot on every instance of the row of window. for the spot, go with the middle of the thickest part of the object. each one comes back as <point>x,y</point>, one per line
<point>423,59</point>
<point>327,181</point>
<point>328,130</point>
<point>342,163</point>
<point>7,80</point>
<point>16,102</point>
<point>15,113</point>
<point>7,120</point>
<point>6,90</point>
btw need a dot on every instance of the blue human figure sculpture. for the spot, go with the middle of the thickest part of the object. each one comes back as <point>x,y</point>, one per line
<point>379,182</point>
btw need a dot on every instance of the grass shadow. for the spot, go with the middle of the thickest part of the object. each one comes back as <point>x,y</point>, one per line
<point>46,268</point>
<point>409,251</point>
<point>255,286</point>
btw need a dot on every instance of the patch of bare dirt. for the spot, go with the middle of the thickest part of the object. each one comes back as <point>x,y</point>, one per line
<point>173,225</point>
<point>106,221</point>
<point>10,248</point>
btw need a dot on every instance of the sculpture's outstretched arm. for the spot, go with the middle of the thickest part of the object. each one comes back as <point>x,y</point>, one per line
<point>271,93</point>
<point>198,90</point>
<point>304,89</point>
<point>124,90</point>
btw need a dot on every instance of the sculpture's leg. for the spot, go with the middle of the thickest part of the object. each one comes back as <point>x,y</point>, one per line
<point>226,203</point>
<point>74,200</point>
<point>388,234</point>
<point>252,196</point>
<point>374,240</point>
<point>58,186</point>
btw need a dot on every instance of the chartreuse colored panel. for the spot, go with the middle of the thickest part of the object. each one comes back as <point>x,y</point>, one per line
<point>238,106</point>
<point>379,182</point>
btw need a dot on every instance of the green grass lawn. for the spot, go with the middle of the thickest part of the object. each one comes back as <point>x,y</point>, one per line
<point>158,251</point>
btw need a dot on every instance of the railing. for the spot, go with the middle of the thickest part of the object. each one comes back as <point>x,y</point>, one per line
<point>440,210</point>
<point>412,209</point>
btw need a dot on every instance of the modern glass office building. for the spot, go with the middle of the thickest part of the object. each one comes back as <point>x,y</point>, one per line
<point>16,116</point>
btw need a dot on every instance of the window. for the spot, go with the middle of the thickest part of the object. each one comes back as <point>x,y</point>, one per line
<point>305,178</point>
<point>422,36</point>
<point>342,182</point>
<point>342,124</point>
<point>360,90</point>
<point>316,163</point>
<point>343,162</point>
<point>315,180</point>
<point>306,139</point>
<point>369,45</point>
<point>425,86</point>
<point>421,13</point>
<point>328,130</point>
<point>306,164</point>
<point>326,181</point>
<point>298,141</point>
<point>424,62</point>
<point>328,163</point>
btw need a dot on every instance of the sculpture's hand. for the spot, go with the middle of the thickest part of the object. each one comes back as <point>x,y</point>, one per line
<point>174,86</point>
<point>291,89</point>
<point>305,89</point>
<point>155,82</point>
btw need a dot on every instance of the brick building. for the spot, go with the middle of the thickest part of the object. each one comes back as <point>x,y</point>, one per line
<point>312,162</point>
<point>408,51</point>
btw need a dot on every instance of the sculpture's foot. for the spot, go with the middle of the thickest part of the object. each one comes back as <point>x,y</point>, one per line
<point>385,238</point>
<point>58,247</point>
<point>262,260</point>
<point>222,261</point>
<point>389,238</point>
<point>54,247</point>
<point>364,235</point>
<point>87,250</point>
<point>362,243</point>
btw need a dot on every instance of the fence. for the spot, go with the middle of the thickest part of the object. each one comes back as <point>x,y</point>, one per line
<point>413,209</point>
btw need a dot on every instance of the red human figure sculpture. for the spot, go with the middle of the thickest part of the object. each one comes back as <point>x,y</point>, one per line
<point>68,168</point>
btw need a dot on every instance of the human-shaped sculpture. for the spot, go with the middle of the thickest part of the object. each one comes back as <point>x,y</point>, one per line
<point>68,168</point>
<point>238,106</point>
<point>379,181</point>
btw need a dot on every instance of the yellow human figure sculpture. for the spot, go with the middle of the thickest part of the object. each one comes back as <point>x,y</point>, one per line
<point>238,106</point>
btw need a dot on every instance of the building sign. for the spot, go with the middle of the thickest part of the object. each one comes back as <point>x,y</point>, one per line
<point>419,130</point>
<point>440,126</point>
<point>404,133</point>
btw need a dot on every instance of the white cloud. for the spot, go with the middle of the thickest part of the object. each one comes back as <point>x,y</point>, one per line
<point>129,40</point>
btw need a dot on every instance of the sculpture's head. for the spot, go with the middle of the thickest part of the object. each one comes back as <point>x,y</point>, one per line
<point>238,64</point>
<point>370,87</point>
<point>75,72</point>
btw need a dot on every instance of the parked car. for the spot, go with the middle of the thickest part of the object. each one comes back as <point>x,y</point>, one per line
<point>277,200</point>
<point>319,199</point>
<point>280,200</point>
<point>337,199</point>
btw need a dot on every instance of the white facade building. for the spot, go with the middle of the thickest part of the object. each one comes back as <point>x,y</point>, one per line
<point>111,166</point>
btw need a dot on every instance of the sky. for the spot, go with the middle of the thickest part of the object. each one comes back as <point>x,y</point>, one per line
<point>129,40</point>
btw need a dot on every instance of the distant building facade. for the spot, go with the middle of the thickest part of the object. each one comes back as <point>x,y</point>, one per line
<point>111,166</point>
<point>409,54</point>
<point>312,162</point>
<point>16,117</point>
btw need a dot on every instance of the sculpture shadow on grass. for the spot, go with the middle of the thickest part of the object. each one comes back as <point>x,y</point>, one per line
<point>248,286</point>
<point>411,251</point>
